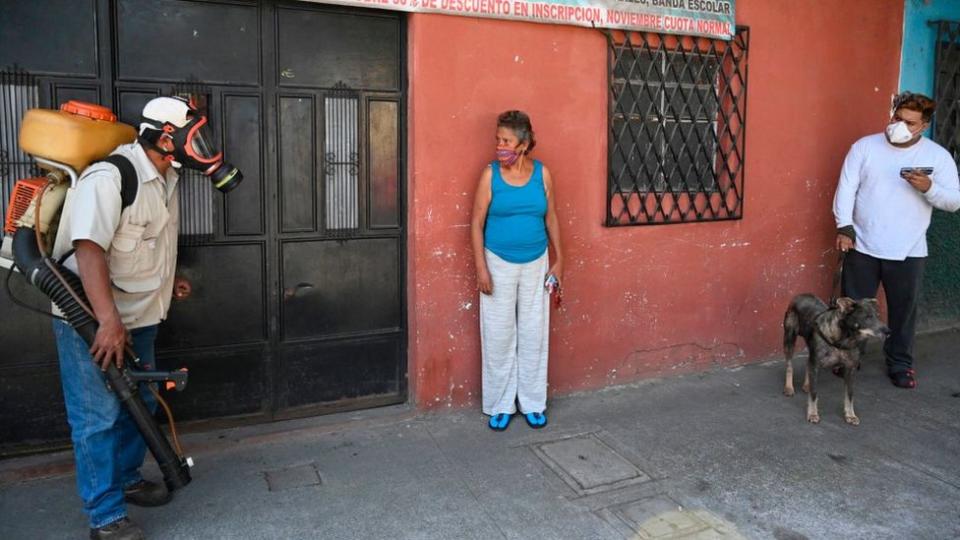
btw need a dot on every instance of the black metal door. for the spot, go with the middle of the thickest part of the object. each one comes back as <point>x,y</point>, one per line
<point>298,303</point>
<point>947,92</point>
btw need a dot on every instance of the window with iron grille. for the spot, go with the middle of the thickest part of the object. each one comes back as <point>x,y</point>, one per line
<point>677,128</point>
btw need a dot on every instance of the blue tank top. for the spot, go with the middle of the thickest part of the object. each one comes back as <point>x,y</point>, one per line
<point>516,230</point>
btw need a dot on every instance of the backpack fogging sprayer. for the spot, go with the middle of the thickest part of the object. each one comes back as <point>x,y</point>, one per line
<point>64,142</point>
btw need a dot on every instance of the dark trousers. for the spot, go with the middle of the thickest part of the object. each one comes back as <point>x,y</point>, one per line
<point>862,276</point>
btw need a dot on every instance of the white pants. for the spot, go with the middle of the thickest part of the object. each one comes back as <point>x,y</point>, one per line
<point>514,336</point>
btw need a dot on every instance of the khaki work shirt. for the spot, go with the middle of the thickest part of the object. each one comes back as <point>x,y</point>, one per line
<point>140,241</point>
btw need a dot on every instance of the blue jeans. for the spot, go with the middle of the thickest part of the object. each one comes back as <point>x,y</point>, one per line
<point>107,446</point>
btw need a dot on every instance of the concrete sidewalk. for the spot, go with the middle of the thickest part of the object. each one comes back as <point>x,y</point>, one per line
<point>712,455</point>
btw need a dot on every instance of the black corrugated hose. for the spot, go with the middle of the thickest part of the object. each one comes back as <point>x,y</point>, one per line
<point>65,289</point>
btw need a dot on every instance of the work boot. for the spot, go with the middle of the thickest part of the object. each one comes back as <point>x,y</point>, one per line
<point>146,493</point>
<point>121,529</point>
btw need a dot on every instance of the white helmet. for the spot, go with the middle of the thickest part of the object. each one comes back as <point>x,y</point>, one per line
<point>164,110</point>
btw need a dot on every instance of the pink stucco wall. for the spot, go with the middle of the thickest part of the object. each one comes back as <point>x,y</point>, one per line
<point>639,301</point>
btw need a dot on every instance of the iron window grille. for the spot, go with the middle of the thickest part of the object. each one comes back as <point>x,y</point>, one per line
<point>946,126</point>
<point>197,209</point>
<point>19,91</point>
<point>341,160</point>
<point>677,128</point>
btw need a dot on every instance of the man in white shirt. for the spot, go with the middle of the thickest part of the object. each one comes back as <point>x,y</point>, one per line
<point>889,185</point>
<point>126,258</point>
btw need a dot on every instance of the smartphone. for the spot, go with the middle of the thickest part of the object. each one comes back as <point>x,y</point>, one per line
<point>925,170</point>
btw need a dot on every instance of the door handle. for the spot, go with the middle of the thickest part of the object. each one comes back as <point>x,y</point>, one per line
<point>297,290</point>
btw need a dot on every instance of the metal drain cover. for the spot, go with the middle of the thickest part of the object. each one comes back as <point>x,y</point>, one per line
<point>661,518</point>
<point>292,477</point>
<point>588,464</point>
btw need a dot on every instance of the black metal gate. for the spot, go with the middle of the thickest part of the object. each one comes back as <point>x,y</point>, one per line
<point>298,274</point>
<point>940,296</point>
<point>947,80</point>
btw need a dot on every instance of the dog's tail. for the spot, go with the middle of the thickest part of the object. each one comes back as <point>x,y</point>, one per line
<point>791,326</point>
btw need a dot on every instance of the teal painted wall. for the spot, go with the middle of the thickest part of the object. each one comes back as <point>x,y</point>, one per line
<point>941,285</point>
<point>917,56</point>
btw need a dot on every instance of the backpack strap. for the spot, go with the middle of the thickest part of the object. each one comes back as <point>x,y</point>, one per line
<point>129,181</point>
<point>129,186</point>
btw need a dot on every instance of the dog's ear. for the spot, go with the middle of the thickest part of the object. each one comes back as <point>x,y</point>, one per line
<point>845,304</point>
<point>871,302</point>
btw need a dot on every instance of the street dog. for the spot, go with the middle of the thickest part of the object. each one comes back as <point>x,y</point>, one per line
<point>835,337</point>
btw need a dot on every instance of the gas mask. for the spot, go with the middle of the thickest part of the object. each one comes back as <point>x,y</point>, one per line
<point>175,118</point>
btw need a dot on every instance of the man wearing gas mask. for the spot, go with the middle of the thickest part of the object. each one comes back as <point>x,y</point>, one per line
<point>889,185</point>
<point>124,248</point>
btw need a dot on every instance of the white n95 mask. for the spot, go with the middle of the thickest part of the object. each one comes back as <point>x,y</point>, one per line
<point>898,133</point>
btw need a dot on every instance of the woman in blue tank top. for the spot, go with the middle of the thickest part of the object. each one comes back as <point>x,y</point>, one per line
<point>514,220</point>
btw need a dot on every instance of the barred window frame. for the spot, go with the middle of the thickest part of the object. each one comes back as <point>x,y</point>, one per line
<point>677,119</point>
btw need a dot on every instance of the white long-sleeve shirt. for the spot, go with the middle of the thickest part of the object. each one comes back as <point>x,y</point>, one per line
<point>889,216</point>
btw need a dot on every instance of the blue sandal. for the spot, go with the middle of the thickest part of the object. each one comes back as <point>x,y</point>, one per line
<point>536,420</point>
<point>499,422</point>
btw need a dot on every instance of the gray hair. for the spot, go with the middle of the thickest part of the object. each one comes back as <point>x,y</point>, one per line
<point>519,123</point>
